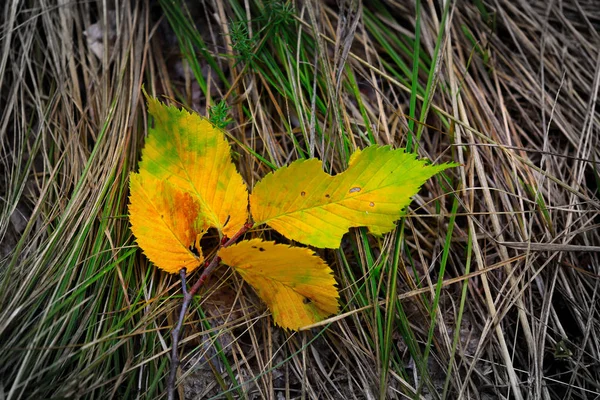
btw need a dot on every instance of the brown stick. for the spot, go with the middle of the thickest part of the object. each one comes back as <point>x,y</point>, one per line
<point>187,298</point>
<point>175,335</point>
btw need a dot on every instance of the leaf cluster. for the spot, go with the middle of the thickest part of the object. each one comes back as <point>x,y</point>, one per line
<point>187,184</point>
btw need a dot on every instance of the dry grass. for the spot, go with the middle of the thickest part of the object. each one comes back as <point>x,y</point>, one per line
<point>488,288</point>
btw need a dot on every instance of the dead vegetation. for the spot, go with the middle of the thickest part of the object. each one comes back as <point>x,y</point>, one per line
<point>488,288</point>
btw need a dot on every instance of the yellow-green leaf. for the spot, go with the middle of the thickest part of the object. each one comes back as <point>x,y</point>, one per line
<point>166,222</point>
<point>193,155</point>
<point>306,204</point>
<point>297,286</point>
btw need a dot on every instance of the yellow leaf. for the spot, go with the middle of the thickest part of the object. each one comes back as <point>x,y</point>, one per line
<point>306,204</point>
<point>297,286</point>
<point>193,155</point>
<point>166,222</point>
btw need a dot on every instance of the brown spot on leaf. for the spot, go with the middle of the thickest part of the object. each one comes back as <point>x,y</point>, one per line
<point>302,194</point>
<point>327,195</point>
<point>355,190</point>
<point>372,204</point>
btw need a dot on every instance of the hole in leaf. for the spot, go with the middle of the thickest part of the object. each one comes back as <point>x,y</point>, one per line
<point>327,195</point>
<point>306,300</point>
<point>372,204</point>
<point>261,249</point>
<point>355,190</point>
<point>209,241</point>
<point>194,250</point>
<point>303,194</point>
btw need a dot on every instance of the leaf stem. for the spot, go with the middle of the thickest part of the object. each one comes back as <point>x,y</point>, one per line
<point>238,234</point>
<point>187,298</point>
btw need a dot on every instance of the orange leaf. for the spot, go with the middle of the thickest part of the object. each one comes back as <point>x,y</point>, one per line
<point>297,286</point>
<point>166,222</point>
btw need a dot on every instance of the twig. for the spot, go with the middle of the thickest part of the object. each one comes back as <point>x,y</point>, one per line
<point>187,298</point>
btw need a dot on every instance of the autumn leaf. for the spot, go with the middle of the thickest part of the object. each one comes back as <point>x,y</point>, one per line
<point>187,184</point>
<point>193,155</point>
<point>297,286</point>
<point>306,204</point>
<point>167,223</point>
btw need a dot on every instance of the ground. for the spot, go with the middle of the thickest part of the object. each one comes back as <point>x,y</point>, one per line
<point>487,288</point>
